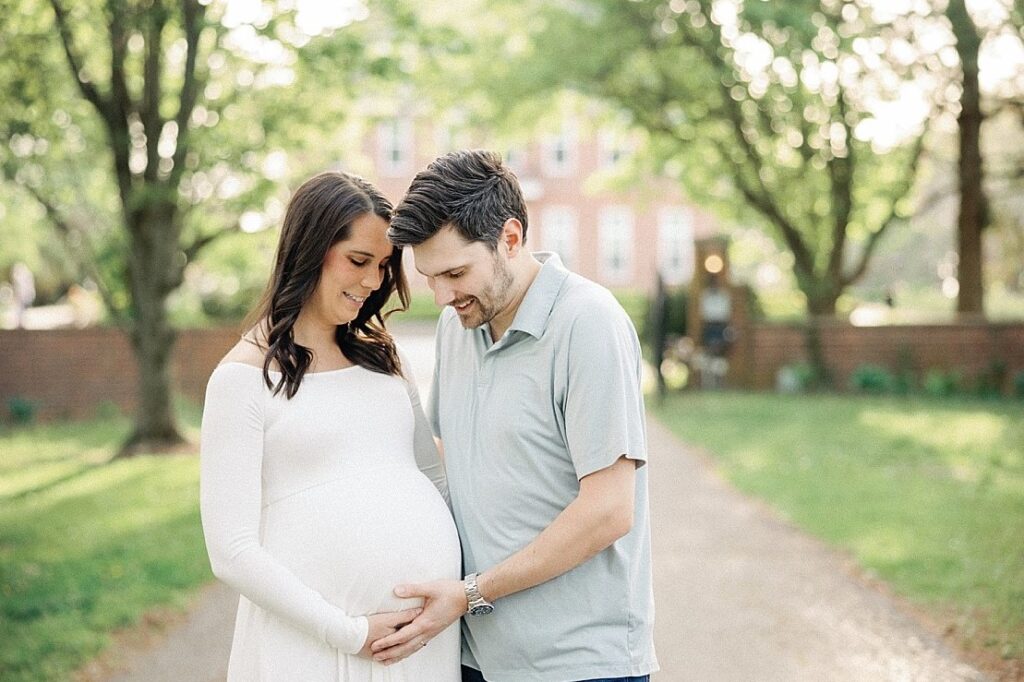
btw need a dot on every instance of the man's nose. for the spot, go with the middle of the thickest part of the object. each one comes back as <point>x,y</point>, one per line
<point>443,294</point>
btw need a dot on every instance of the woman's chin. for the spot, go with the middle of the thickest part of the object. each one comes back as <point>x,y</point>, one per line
<point>342,320</point>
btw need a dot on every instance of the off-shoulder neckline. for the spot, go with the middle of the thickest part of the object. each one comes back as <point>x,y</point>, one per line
<point>274,371</point>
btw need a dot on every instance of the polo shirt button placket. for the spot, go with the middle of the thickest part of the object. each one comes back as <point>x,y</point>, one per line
<point>484,378</point>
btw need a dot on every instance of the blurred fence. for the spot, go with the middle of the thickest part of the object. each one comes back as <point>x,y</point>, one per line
<point>975,352</point>
<point>70,373</point>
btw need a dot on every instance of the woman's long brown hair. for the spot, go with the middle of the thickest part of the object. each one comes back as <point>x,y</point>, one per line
<point>320,214</point>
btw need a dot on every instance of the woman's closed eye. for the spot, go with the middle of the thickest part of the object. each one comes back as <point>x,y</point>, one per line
<point>361,263</point>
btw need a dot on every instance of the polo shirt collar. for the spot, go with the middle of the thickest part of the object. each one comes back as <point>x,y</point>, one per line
<point>534,311</point>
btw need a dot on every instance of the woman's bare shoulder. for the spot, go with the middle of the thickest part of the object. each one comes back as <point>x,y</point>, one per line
<point>248,351</point>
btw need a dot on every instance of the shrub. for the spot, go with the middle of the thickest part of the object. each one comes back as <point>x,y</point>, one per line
<point>903,382</point>
<point>108,409</point>
<point>673,318</point>
<point>635,303</point>
<point>1018,384</point>
<point>678,303</point>
<point>796,377</point>
<point>941,383</point>
<point>904,377</point>
<point>872,379</point>
<point>991,380</point>
<point>21,410</point>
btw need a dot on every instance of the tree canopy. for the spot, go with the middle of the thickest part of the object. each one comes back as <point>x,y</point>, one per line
<point>144,130</point>
<point>776,104</point>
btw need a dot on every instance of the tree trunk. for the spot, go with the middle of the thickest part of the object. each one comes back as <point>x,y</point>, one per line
<point>820,309</point>
<point>152,252</point>
<point>973,204</point>
<point>822,293</point>
<point>821,377</point>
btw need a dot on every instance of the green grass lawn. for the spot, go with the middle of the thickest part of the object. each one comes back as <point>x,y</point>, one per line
<point>928,495</point>
<point>87,545</point>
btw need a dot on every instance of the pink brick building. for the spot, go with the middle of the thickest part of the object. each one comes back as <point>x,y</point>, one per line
<point>620,238</point>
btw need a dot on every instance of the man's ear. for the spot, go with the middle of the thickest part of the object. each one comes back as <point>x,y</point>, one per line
<point>512,236</point>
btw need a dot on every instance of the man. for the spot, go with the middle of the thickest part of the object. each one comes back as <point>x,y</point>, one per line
<point>536,401</point>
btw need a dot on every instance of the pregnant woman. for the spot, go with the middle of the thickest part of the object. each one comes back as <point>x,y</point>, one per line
<point>321,486</point>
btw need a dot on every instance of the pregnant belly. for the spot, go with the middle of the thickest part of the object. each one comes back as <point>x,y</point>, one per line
<point>355,538</point>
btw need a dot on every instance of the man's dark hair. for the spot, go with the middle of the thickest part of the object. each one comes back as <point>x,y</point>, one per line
<point>471,190</point>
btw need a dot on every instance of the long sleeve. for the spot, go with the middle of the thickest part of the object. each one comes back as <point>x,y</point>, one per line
<point>231,456</point>
<point>428,459</point>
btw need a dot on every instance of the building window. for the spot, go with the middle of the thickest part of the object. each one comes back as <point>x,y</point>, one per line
<point>558,153</point>
<point>611,149</point>
<point>515,158</point>
<point>558,232</point>
<point>615,234</point>
<point>675,245</point>
<point>396,148</point>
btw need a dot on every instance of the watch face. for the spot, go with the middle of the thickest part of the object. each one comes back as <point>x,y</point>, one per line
<point>481,610</point>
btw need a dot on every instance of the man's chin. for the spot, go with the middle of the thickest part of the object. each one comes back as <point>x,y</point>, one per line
<point>470,317</point>
<point>470,321</point>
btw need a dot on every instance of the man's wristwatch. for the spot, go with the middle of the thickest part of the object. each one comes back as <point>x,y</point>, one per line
<point>478,606</point>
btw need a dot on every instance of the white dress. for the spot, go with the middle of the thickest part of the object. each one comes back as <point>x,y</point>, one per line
<point>313,509</point>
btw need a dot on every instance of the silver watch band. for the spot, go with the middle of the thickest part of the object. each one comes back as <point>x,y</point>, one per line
<point>476,604</point>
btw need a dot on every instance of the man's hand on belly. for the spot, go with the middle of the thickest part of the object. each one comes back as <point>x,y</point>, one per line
<point>444,602</point>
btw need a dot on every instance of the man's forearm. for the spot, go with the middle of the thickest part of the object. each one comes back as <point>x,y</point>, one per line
<point>600,515</point>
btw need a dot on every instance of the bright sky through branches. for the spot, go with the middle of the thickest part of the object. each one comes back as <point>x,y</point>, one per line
<point>897,116</point>
<point>312,16</point>
<point>899,107</point>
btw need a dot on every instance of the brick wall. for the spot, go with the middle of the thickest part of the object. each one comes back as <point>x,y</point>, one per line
<point>68,373</point>
<point>572,191</point>
<point>969,348</point>
<point>196,354</point>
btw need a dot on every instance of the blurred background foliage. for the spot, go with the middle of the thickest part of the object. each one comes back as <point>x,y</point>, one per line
<point>273,108</point>
<point>797,123</point>
<point>823,134</point>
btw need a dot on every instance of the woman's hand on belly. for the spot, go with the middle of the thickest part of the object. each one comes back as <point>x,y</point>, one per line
<point>384,624</point>
<point>444,603</point>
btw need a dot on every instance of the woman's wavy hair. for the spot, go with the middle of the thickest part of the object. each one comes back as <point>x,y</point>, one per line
<point>320,214</point>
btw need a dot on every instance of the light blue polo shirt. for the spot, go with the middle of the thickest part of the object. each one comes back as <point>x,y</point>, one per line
<point>522,420</point>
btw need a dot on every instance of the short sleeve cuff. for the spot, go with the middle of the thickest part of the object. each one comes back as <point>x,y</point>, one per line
<point>592,465</point>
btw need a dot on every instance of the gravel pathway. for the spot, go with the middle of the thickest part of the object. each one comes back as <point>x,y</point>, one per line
<point>741,595</point>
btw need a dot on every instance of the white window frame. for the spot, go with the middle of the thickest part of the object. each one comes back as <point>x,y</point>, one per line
<point>612,149</point>
<point>560,153</point>
<point>559,233</point>
<point>675,245</point>
<point>616,234</point>
<point>395,141</point>
<point>515,158</point>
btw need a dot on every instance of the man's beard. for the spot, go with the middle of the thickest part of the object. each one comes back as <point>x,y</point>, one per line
<point>493,300</point>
